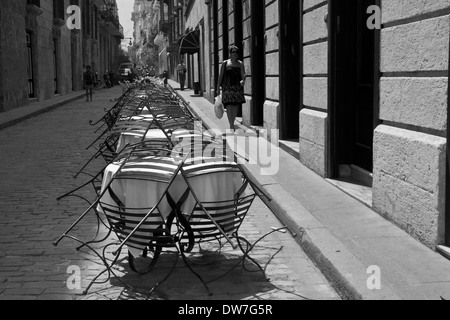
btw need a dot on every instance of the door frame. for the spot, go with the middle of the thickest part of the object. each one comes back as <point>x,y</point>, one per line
<point>447,166</point>
<point>238,33</point>
<point>290,68</point>
<point>257,63</point>
<point>333,159</point>
<point>215,38</point>
<point>238,27</point>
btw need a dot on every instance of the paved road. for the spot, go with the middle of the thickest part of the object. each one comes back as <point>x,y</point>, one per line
<point>38,158</point>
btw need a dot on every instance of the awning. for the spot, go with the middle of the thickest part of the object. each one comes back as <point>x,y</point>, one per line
<point>189,43</point>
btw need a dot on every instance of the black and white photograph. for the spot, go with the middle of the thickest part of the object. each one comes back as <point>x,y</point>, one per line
<point>231,157</point>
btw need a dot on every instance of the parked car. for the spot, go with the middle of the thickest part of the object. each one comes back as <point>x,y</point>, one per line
<point>125,69</point>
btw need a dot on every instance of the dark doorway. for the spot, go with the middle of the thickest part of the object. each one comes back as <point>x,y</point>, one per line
<point>289,36</point>
<point>225,29</point>
<point>217,62</point>
<point>258,72</point>
<point>447,184</point>
<point>353,98</point>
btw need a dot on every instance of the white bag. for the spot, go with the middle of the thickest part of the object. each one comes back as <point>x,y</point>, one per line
<point>218,107</point>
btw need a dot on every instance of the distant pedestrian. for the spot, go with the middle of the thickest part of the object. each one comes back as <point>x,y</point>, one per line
<point>181,68</point>
<point>152,72</point>
<point>89,79</point>
<point>231,82</point>
<point>131,76</point>
<point>111,77</point>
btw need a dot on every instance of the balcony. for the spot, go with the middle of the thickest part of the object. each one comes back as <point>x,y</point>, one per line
<point>109,18</point>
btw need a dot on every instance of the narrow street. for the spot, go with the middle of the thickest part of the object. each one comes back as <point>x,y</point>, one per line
<point>39,158</point>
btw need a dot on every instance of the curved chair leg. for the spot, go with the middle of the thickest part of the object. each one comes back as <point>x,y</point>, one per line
<point>247,255</point>
<point>85,292</point>
<point>107,269</point>
<point>251,246</point>
<point>241,260</point>
<point>93,241</point>
<point>167,276</point>
<point>203,259</point>
<point>132,261</point>
<point>99,220</point>
<point>157,284</point>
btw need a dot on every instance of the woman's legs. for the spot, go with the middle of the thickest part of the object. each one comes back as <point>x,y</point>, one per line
<point>232,111</point>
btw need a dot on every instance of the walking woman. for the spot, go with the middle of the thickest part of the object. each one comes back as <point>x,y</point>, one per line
<point>231,84</point>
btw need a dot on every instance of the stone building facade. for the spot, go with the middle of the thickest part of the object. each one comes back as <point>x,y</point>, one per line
<point>357,89</point>
<point>41,57</point>
<point>146,18</point>
<point>158,25</point>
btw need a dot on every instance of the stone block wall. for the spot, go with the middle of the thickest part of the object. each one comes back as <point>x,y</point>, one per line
<point>408,183</point>
<point>74,50</point>
<point>313,140</point>
<point>410,145</point>
<point>314,116</point>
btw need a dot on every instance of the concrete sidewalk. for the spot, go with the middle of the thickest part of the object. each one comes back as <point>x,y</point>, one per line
<point>348,241</point>
<point>17,115</point>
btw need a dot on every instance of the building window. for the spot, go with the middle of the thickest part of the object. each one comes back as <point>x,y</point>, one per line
<point>30,71</point>
<point>225,30</point>
<point>37,3</point>
<point>95,22</point>
<point>86,12</point>
<point>92,20</point>
<point>55,64</point>
<point>58,9</point>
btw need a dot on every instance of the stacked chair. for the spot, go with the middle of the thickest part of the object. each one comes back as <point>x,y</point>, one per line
<point>167,194</point>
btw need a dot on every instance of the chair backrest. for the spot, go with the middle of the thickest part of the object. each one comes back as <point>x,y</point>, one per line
<point>133,123</point>
<point>139,227</point>
<point>133,230</point>
<point>214,219</point>
<point>108,147</point>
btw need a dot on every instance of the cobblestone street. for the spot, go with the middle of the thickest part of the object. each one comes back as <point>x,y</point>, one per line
<point>39,158</point>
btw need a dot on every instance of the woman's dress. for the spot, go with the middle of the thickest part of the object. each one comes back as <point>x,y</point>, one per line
<point>232,90</point>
